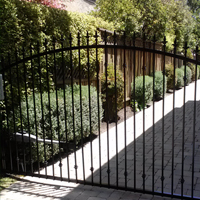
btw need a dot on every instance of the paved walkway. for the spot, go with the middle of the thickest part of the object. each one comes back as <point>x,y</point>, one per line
<point>144,164</point>
<point>32,188</point>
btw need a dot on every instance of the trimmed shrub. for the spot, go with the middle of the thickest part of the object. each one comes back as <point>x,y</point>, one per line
<point>169,71</point>
<point>193,70</point>
<point>198,66</point>
<point>109,102</point>
<point>188,74</point>
<point>180,80</point>
<point>48,125</point>
<point>158,88</point>
<point>135,105</point>
<point>139,90</point>
<point>24,23</point>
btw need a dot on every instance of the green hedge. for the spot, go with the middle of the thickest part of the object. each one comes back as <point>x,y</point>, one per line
<point>193,70</point>
<point>188,74</point>
<point>198,66</point>
<point>24,22</point>
<point>50,125</point>
<point>158,88</point>
<point>140,88</point>
<point>169,71</point>
<point>112,93</point>
<point>180,80</point>
<point>27,22</point>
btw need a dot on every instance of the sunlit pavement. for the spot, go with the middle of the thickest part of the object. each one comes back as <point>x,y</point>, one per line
<point>161,159</point>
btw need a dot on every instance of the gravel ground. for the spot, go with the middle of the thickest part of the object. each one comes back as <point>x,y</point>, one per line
<point>83,6</point>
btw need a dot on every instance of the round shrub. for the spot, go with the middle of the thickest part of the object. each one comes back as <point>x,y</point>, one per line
<point>169,71</point>
<point>198,67</point>
<point>188,74</point>
<point>139,90</point>
<point>180,80</point>
<point>115,94</point>
<point>192,67</point>
<point>158,87</point>
<point>193,70</point>
<point>53,125</point>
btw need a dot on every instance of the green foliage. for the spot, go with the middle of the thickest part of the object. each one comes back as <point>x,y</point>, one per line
<point>31,22</point>
<point>193,70</point>
<point>135,106</point>
<point>6,181</point>
<point>142,90</point>
<point>24,23</point>
<point>131,16</point>
<point>172,18</point>
<point>51,124</point>
<point>198,66</point>
<point>180,80</point>
<point>158,88</point>
<point>180,23</point>
<point>169,70</point>
<point>124,14</point>
<point>195,9</point>
<point>115,94</point>
<point>188,74</point>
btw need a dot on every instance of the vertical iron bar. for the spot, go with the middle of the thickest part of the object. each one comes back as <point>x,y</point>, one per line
<point>97,65</point>
<point>34,105</point>
<point>173,121</point>
<point>57,106</point>
<point>71,66</point>
<point>183,134</point>
<point>20,110</point>
<point>27,110</point>
<point>13,113</point>
<point>2,149</point>
<point>115,69</point>
<point>49,105</point>
<point>41,102</point>
<point>107,120</point>
<point>163,117</point>
<point>80,84</point>
<point>134,122</point>
<point>153,139</point>
<point>125,149</point>
<point>64,87</point>
<point>194,124</point>
<point>88,63</point>
<point>143,175</point>
<point>7,111</point>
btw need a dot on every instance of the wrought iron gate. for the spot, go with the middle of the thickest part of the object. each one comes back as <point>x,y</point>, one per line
<point>52,122</point>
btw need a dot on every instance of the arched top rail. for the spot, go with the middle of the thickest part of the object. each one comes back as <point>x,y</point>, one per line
<point>100,46</point>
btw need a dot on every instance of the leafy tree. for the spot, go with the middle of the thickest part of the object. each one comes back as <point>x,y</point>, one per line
<point>131,16</point>
<point>153,18</point>
<point>194,5</point>
<point>180,23</point>
<point>124,14</point>
<point>195,8</point>
<point>161,17</point>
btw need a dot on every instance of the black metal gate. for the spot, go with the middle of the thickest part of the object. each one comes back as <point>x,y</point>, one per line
<point>74,111</point>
